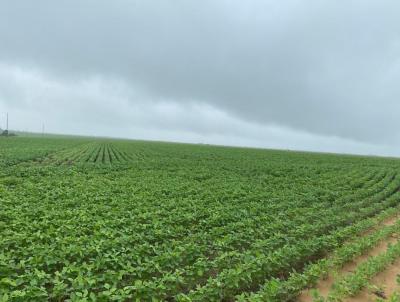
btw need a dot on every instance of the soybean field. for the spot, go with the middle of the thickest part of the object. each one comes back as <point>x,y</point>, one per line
<point>90,219</point>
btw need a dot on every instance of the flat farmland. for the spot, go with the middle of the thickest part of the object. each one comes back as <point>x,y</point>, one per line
<point>86,219</point>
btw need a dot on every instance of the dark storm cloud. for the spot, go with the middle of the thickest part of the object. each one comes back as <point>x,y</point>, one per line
<point>329,68</point>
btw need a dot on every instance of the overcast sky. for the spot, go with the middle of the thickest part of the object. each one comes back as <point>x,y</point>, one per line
<point>311,75</point>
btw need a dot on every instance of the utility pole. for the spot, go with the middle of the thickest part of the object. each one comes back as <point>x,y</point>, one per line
<point>43,129</point>
<point>7,125</point>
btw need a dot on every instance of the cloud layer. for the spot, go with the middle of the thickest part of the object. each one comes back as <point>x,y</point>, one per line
<point>322,76</point>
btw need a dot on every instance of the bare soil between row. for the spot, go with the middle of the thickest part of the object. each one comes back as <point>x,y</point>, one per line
<point>383,284</point>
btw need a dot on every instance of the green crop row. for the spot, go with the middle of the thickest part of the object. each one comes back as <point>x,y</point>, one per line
<point>351,284</point>
<point>288,289</point>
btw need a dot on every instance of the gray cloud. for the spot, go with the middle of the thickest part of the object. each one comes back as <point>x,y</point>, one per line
<point>321,68</point>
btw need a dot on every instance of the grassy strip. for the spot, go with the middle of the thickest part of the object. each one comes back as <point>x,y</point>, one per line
<point>278,290</point>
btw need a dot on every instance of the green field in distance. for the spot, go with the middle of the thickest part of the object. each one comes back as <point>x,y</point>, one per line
<point>90,219</point>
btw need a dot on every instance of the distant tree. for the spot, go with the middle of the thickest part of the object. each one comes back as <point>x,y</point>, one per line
<point>5,133</point>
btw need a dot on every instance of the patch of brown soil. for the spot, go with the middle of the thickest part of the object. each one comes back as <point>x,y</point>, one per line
<point>324,286</point>
<point>383,285</point>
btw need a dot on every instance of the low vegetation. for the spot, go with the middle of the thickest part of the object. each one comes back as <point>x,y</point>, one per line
<point>112,220</point>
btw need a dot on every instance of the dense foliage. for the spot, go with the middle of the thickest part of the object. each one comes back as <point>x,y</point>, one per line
<point>114,220</point>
